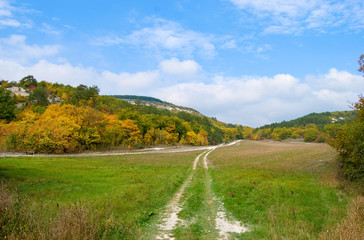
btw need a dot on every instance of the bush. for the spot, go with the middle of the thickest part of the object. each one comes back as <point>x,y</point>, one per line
<point>349,142</point>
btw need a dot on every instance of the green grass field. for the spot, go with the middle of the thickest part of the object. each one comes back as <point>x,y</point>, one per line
<point>281,190</point>
<point>123,194</point>
<point>278,190</point>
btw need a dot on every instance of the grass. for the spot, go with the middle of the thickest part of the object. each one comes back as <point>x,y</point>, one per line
<point>198,212</point>
<point>282,190</point>
<point>113,197</point>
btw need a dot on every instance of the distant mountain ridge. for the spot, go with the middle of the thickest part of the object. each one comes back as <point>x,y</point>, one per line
<point>338,117</point>
<point>135,97</point>
<point>152,101</point>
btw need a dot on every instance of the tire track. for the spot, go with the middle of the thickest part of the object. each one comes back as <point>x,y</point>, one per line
<point>223,226</point>
<point>170,220</point>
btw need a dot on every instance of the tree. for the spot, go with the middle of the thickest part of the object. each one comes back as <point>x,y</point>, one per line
<point>39,96</point>
<point>28,81</point>
<point>361,63</point>
<point>7,105</point>
<point>349,142</point>
<point>82,92</point>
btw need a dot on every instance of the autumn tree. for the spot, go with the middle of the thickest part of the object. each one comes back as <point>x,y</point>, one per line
<point>361,63</point>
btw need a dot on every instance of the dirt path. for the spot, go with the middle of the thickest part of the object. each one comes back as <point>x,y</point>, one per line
<point>170,220</point>
<point>223,224</point>
<point>167,149</point>
<point>214,217</point>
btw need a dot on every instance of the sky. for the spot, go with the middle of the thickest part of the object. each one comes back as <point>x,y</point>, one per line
<point>249,62</point>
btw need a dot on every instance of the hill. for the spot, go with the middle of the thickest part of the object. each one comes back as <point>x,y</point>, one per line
<point>320,119</point>
<point>135,97</point>
<point>314,127</point>
<point>151,101</point>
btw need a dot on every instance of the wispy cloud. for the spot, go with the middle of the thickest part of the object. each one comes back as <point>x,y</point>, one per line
<point>292,17</point>
<point>167,36</point>
<point>9,18</point>
<point>49,29</point>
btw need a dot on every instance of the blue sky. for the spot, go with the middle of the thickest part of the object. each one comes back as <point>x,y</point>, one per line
<point>242,61</point>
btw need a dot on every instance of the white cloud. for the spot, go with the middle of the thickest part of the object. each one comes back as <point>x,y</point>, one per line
<point>256,101</point>
<point>5,9</point>
<point>129,82</point>
<point>7,16</point>
<point>336,80</point>
<point>291,16</point>
<point>288,7</point>
<point>49,29</point>
<point>229,44</point>
<point>185,69</point>
<point>16,48</point>
<point>9,23</point>
<point>65,73</point>
<point>165,36</point>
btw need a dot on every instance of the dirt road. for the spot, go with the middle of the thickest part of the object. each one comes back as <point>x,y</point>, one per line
<point>216,223</point>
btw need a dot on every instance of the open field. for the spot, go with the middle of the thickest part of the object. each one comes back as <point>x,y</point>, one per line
<point>250,190</point>
<point>283,190</point>
<point>124,193</point>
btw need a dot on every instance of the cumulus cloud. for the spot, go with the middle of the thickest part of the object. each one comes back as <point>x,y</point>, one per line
<point>65,73</point>
<point>185,69</point>
<point>129,82</point>
<point>336,80</point>
<point>256,101</point>
<point>290,16</point>
<point>16,48</point>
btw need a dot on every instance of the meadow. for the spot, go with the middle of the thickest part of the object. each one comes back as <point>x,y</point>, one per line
<point>287,191</point>
<point>110,197</point>
<point>278,190</point>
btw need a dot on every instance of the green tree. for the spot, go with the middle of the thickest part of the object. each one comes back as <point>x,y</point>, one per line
<point>350,144</point>
<point>28,81</point>
<point>350,141</point>
<point>7,105</point>
<point>39,96</point>
<point>82,92</point>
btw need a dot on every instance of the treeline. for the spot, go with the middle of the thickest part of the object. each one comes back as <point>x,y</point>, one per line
<point>319,119</point>
<point>314,127</point>
<point>57,118</point>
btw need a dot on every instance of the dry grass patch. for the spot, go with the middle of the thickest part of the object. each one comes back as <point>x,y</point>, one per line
<point>352,228</point>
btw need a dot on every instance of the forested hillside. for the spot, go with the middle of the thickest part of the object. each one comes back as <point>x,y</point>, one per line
<point>320,119</point>
<point>314,127</point>
<point>41,117</point>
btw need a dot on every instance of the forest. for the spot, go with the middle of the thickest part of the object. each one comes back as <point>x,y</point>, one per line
<point>44,117</point>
